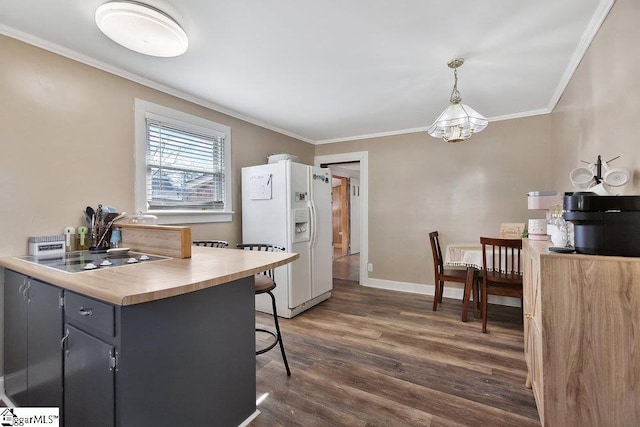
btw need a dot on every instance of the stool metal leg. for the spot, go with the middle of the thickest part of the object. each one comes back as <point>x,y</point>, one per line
<point>279,336</point>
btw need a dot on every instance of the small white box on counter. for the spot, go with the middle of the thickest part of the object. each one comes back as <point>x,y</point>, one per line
<point>46,245</point>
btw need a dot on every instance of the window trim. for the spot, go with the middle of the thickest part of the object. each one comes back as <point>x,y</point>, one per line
<point>144,109</point>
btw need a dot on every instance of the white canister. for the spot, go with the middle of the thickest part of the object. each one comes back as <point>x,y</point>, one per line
<point>537,229</point>
<point>559,238</point>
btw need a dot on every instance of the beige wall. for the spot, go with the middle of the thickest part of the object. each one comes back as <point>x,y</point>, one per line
<point>418,184</point>
<point>67,142</point>
<point>599,112</point>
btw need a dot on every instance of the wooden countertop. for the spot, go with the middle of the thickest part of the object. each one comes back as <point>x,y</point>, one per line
<point>143,282</point>
<point>542,248</point>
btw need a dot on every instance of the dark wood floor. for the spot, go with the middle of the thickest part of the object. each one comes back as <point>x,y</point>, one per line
<point>346,267</point>
<point>371,357</point>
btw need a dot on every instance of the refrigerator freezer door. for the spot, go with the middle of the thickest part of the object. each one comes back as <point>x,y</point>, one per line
<point>264,200</point>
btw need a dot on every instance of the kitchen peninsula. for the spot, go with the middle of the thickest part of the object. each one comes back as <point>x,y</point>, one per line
<point>170,342</point>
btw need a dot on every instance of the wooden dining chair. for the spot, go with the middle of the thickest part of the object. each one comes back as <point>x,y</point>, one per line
<point>469,276</point>
<point>501,272</point>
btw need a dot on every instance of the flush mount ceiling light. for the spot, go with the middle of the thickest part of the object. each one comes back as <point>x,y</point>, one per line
<point>459,121</point>
<point>141,28</point>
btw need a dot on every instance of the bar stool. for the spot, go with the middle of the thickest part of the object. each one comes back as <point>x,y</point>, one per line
<point>211,243</point>
<point>265,283</point>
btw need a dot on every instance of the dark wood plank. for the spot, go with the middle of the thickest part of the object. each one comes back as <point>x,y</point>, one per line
<point>369,357</point>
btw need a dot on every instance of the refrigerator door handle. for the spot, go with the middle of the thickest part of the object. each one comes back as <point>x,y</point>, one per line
<point>312,207</point>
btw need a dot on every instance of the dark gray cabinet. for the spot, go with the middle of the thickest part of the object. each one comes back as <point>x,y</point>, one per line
<point>32,331</point>
<point>184,360</point>
<point>90,343</point>
<point>88,380</point>
<point>15,337</point>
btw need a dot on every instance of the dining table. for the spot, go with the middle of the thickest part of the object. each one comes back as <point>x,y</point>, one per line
<point>469,255</point>
<point>464,255</point>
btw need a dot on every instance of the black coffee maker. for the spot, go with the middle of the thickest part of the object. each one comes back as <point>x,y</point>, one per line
<point>604,225</point>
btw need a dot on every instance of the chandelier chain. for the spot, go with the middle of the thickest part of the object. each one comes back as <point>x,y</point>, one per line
<point>455,94</point>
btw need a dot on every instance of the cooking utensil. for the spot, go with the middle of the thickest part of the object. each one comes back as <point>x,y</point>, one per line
<point>108,227</point>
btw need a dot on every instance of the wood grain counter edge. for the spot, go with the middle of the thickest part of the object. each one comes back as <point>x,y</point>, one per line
<point>541,247</point>
<point>144,282</point>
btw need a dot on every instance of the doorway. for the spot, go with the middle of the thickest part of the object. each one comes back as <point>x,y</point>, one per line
<point>363,242</point>
<point>341,218</point>
<point>346,220</point>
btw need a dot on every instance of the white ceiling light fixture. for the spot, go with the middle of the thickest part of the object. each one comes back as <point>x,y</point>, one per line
<point>142,28</point>
<point>459,121</point>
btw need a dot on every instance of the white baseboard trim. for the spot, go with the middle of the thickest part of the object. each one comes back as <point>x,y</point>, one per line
<point>3,396</point>
<point>451,290</point>
<point>250,418</point>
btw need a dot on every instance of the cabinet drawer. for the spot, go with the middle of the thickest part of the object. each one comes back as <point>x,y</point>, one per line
<point>90,312</point>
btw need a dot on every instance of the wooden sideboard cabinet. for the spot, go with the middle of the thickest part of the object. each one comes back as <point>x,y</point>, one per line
<point>582,336</point>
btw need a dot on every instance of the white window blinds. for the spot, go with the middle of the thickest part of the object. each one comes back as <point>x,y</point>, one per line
<point>185,167</point>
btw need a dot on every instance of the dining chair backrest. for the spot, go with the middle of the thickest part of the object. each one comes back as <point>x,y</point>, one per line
<point>505,264</point>
<point>211,243</point>
<point>264,247</point>
<point>468,276</point>
<point>501,271</point>
<point>438,259</point>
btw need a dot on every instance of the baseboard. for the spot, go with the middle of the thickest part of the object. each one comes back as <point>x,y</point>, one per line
<point>3,397</point>
<point>250,418</point>
<point>451,290</point>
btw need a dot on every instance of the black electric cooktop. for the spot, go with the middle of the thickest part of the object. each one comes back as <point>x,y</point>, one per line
<point>79,261</point>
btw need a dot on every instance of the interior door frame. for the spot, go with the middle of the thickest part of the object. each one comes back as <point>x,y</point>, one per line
<point>363,158</point>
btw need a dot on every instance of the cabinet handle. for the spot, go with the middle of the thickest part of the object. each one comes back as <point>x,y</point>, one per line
<point>25,291</point>
<point>85,311</point>
<point>63,341</point>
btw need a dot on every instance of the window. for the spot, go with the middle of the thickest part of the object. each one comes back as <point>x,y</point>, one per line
<point>182,166</point>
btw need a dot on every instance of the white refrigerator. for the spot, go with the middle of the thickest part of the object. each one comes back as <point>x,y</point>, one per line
<point>289,204</point>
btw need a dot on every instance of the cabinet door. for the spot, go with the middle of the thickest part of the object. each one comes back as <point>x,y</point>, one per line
<point>15,337</point>
<point>33,329</point>
<point>528,295</point>
<point>533,326</point>
<point>44,355</point>
<point>88,381</point>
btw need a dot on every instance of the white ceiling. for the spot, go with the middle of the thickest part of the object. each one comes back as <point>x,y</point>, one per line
<point>335,70</point>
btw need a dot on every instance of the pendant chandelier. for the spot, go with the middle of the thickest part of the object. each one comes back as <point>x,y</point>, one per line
<point>459,121</point>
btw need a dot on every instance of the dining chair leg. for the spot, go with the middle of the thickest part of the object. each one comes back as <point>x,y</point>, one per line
<point>476,297</point>
<point>468,285</point>
<point>437,297</point>
<point>483,299</point>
